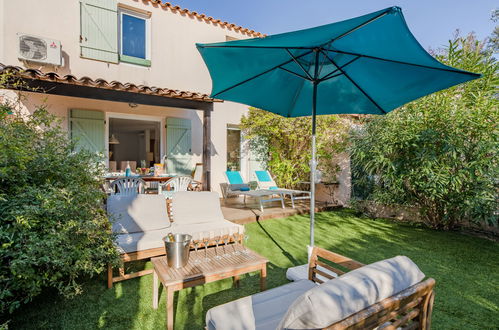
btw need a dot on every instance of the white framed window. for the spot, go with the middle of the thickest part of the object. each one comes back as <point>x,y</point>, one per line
<point>134,37</point>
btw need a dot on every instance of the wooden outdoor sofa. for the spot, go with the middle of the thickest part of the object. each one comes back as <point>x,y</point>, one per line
<point>337,303</point>
<point>141,221</point>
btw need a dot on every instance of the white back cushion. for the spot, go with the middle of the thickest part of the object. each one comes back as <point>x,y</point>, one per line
<point>339,298</point>
<point>196,207</point>
<point>137,213</point>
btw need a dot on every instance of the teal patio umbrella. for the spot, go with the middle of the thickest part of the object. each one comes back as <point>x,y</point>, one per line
<point>370,64</point>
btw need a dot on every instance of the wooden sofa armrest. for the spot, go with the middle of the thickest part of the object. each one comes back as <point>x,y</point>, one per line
<point>337,259</point>
<point>409,309</point>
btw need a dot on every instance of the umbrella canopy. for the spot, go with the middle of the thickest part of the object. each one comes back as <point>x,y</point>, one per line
<point>370,64</point>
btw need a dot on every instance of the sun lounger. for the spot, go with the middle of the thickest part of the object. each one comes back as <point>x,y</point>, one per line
<point>265,181</point>
<point>389,293</point>
<point>237,187</point>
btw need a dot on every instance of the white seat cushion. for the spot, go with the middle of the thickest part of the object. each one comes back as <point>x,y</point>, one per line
<point>141,241</point>
<point>137,213</point>
<point>189,207</point>
<point>261,311</point>
<point>339,298</point>
<point>154,239</point>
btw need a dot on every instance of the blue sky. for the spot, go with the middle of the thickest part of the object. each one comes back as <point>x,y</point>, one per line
<point>433,22</point>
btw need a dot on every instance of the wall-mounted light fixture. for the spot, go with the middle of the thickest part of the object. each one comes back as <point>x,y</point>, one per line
<point>113,140</point>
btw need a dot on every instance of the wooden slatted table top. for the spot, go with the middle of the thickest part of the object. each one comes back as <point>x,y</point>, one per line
<point>193,270</point>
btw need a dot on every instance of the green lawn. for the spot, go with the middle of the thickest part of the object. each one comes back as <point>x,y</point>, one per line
<point>466,270</point>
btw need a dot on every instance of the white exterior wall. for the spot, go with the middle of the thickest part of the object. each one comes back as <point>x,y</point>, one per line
<point>175,64</point>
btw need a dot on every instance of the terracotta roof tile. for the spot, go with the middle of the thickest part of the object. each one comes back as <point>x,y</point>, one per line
<point>102,83</point>
<point>207,19</point>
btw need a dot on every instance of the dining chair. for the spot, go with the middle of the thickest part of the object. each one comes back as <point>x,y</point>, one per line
<point>128,186</point>
<point>178,183</point>
<point>170,187</point>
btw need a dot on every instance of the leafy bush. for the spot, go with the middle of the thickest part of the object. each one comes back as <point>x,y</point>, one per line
<point>439,153</point>
<point>284,144</point>
<point>53,229</point>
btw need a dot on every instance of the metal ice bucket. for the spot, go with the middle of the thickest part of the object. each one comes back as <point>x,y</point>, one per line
<point>177,250</point>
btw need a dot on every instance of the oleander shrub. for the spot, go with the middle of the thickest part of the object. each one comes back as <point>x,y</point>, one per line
<point>53,229</point>
<point>438,153</point>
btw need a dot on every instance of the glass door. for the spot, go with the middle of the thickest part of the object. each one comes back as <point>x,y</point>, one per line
<point>233,148</point>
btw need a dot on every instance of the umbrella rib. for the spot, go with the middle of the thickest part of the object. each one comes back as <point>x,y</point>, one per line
<point>331,77</point>
<point>360,26</point>
<point>353,82</point>
<point>402,62</point>
<point>259,47</point>
<point>258,75</point>
<point>323,61</point>
<point>294,73</point>
<point>299,64</point>
<point>326,77</point>
<point>295,97</point>
<point>309,48</point>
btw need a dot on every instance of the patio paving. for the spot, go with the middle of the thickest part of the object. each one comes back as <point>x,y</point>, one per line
<point>234,209</point>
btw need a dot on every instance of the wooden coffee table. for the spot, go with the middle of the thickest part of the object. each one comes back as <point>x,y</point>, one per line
<point>204,272</point>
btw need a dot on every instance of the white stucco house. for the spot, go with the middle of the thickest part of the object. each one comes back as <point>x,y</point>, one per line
<point>127,80</point>
<point>127,70</point>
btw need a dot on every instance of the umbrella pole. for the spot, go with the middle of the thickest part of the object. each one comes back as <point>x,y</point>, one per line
<point>313,167</point>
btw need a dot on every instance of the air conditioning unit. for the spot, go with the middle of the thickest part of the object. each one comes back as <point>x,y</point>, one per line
<point>38,49</point>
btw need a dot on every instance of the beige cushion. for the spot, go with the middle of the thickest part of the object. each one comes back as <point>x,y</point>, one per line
<point>189,207</point>
<point>261,311</point>
<point>154,239</point>
<point>141,241</point>
<point>137,213</point>
<point>339,298</point>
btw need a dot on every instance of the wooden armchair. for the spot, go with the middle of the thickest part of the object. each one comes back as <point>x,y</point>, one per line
<point>305,304</point>
<point>409,309</point>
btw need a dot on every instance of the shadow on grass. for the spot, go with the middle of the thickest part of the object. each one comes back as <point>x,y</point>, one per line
<point>464,267</point>
<point>97,307</point>
<point>284,252</point>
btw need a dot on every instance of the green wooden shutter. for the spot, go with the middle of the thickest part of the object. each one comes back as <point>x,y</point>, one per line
<point>87,130</point>
<point>178,146</point>
<point>99,29</point>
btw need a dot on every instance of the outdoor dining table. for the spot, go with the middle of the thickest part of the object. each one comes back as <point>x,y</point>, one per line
<point>147,178</point>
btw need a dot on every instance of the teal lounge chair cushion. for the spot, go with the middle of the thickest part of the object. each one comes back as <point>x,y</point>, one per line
<point>234,177</point>
<point>263,176</point>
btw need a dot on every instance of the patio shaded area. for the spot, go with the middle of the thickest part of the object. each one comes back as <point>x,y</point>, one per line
<point>464,267</point>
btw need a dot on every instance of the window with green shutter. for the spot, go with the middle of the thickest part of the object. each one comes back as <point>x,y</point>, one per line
<point>87,129</point>
<point>99,30</point>
<point>134,38</point>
